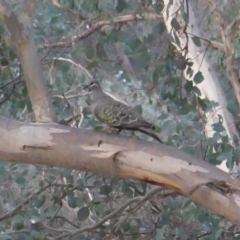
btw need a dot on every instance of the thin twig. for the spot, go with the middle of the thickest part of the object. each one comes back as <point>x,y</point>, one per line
<point>120,209</point>
<point>85,71</point>
<point>11,213</point>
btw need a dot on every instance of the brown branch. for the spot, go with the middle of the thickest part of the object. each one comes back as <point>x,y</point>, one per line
<point>99,24</point>
<point>8,95</point>
<point>78,65</point>
<point>66,220</point>
<point>20,29</point>
<point>140,201</point>
<point>124,157</point>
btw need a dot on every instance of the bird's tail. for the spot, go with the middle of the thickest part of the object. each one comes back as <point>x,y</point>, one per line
<point>150,133</point>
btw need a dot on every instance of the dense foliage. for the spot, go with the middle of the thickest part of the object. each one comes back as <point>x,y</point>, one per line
<point>136,61</point>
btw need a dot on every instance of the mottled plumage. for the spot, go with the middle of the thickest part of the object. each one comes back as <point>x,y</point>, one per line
<point>116,114</point>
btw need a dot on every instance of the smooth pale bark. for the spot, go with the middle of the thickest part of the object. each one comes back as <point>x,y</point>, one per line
<point>210,88</point>
<point>229,31</point>
<point>116,155</point>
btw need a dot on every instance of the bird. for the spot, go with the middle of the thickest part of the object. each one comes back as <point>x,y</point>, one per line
<point>115,113</point>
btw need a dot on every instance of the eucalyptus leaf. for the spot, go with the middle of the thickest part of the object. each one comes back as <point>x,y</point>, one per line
<point>83,214</point>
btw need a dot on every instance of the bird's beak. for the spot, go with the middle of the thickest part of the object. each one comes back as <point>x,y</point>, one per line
<point>85,86</point>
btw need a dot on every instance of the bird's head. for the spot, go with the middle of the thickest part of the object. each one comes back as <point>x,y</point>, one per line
<point>91,86</point>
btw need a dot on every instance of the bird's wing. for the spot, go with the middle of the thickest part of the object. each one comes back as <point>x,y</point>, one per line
<point>116,114</point>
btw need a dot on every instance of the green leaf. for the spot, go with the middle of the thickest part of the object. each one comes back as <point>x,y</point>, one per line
<point>202,103</point>
<point>210,105</point>
<point>175,24</point>
<point>101,51</point>
<point>169,124</point>
<point>189,72</point>
<point>159,6</point>
<point>12,55</point>
<point>198,78</point>
<point>189,86</point>
<point>18,222</point>
<point>156,75</point>
<point>175,137</point>
<point>105,190</point>
<point>100,208</point>
<point>218,127</point>
<point>89,51</point>
<point>218,233</point>
<point>88,6</point>
<point>163,116</point>
<point>225,156</point>
<point>93,64</point>
<point>129,192</point>
<point>184,16</point>
<point>121,5</point>
<point>196,90</point>
<point>107,5</point>
<point>160,234</point>
<point>20,180</point>
<point>65,68</point>
<point>38,201</point>
<point>3,172</point>
<point>196,41</point>
<point>56,19</point>
<point>233,108</point>
<point>4,62</point>
<point>138,109</point>
<point>189,63</point>
<point>170,37</point>
<point>135,230</point>
<point>83,213</point>
<point>35,235</point>
<point>188,150</point>
<point>72,200</point>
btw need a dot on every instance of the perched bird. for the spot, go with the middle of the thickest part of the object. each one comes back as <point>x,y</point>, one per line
<point>116,114</point>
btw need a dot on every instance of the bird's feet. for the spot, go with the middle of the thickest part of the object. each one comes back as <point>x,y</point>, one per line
<point>109,129</point>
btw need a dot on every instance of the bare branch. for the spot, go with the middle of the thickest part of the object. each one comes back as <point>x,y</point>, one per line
<point>66,220</point>
<point>99,24</point>
<point>85,71</point>
<point>139,203</point>
<point>117,155</point>
<point>20,30</point>
<point>103,220</point>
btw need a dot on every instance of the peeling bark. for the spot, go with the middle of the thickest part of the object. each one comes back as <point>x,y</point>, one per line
<point>116,155</point>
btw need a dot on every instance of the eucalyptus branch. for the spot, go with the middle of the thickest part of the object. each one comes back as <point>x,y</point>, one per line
<point>97,25</point>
